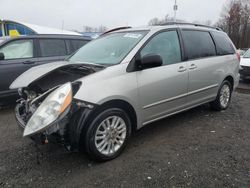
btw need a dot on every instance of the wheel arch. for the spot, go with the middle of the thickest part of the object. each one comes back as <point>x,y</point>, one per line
<point>124,105</point>
<point>231,80</point>
<point>116,103</point>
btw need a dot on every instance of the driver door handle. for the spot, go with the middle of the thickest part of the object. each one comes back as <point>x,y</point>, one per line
<point>182,69</point>
<point>28,62</point>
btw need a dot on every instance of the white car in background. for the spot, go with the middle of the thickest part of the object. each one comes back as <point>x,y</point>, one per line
<point>245,66</point>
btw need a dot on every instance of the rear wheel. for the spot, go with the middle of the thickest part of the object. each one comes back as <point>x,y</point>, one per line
<point>108,134</point>
<point>223,98</point>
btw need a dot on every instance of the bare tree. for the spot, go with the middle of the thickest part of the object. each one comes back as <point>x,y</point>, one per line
<point>235,20</point>
<point>166,19</point>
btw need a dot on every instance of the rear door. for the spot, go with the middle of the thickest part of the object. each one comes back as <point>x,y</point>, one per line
<point>203,65</point>
<point>50,50</point>
<point>19,57</point>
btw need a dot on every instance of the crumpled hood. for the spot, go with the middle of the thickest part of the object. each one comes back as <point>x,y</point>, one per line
<point>34,73</point>
<point>245,62</point>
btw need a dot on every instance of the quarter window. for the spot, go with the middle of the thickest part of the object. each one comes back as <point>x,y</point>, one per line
<point>52,47</point>
<point>165,44</point>
<point>18,49</point>
<point>223,44</point>
<point>198,44</point>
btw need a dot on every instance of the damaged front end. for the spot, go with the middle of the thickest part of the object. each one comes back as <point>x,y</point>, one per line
<point>45,114</point>
<point>45,117</point>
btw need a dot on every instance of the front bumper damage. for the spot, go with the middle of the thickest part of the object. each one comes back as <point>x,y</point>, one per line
<point>55,133</point>
<point>66,130</point>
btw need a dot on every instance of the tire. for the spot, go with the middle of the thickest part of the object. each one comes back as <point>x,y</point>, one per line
<point>225,92</point>
<point>117,125</point>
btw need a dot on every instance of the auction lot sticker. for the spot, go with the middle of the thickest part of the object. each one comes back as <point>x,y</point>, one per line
<point>132,35</point>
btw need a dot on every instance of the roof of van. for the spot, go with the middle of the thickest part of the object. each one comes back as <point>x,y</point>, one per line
<point>167,26</point>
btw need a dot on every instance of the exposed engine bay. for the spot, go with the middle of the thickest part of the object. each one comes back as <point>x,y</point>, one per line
<point>32,96</point>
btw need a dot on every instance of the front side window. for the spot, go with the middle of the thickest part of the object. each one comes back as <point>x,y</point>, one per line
<point>165,44</point>
<point>52,47</point>
<point>108,50</point>
<point>223,44</point>
<point>198,44</point>
<point>18,49</point>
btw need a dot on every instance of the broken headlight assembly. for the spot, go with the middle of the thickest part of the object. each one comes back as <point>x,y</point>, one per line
<point>50,110</point>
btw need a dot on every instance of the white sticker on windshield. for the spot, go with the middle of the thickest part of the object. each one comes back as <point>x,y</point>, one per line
<point>133,35</point>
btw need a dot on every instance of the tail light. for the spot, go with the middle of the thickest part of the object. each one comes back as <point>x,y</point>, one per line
<point>238,55</point>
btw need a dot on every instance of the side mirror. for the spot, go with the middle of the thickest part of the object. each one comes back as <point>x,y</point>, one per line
<point>150,61</point>
<point>1,56</point>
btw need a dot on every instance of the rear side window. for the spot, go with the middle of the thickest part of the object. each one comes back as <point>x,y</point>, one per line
<point>198,44</point>
<point>52,47</point>
<point>223,44</point>
<point>76,44</point>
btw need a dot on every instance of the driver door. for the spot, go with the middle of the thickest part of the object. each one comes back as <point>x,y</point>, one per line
<point>163,90</point>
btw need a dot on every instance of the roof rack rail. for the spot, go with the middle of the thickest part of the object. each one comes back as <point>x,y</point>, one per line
<point>116,29</point>
<point>194,24</point>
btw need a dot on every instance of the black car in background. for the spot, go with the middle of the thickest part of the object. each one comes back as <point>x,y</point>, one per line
<point>21,53</point>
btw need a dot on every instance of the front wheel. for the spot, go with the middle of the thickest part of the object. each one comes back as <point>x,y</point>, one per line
<point>108,134</point>
<point>223,98</point>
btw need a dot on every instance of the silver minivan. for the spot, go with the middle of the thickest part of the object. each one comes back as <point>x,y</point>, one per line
<point>124,80</point>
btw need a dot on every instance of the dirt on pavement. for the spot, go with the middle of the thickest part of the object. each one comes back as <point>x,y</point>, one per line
<point>197,148</point>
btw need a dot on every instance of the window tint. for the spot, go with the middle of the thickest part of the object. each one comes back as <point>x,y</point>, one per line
<point>18,49</point>
<point>52,47</point>
<point>21,29</point>
<point>223,44</point>
<point>198,44</point>
<point>76,44</point>
<point>165,44</point>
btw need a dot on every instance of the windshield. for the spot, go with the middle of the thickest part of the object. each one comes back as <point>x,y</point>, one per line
<point>247,54</point>
<point>108,50</point>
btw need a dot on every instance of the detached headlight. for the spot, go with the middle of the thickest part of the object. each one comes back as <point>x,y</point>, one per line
<point>50,109</point>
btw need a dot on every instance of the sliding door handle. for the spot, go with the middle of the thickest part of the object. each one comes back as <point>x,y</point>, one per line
<point>192,66</point>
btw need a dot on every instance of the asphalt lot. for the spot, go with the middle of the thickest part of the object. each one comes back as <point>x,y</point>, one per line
<point>197,148</point>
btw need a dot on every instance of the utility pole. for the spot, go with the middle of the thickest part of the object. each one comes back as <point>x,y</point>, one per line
<point>175,10</point>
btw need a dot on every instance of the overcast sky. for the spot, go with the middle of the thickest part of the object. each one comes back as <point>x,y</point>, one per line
<point>110,13</point>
